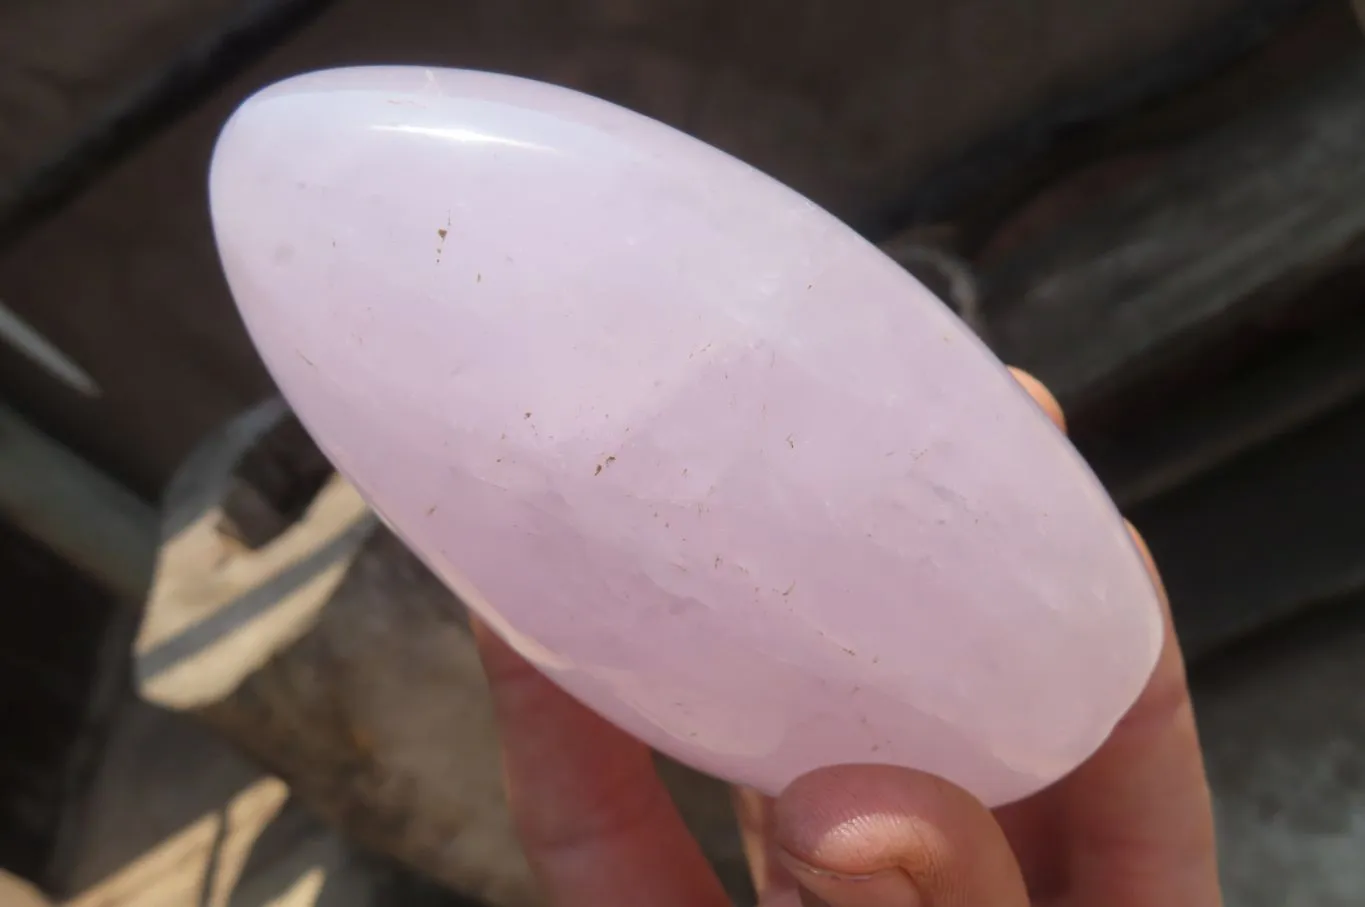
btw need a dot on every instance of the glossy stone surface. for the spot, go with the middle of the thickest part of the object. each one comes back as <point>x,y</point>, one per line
<point>710,460</point>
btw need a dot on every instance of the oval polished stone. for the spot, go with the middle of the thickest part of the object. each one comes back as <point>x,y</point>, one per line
<point>701,453</point>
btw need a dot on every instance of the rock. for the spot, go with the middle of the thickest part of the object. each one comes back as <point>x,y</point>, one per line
<point>711,461</point>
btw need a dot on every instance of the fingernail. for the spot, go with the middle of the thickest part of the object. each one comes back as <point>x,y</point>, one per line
<point>822,888</point>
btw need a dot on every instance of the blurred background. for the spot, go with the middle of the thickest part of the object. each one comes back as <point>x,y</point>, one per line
<point>222,684</point>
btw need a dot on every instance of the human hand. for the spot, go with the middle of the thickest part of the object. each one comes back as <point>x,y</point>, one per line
<point>1132,827</point>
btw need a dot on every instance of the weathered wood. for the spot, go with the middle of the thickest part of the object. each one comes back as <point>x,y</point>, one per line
<point>849,103</point>
<point>1312,374</point>
<point>216,612</point>
<point>1220,234</point>
<point>337,661</point>
<point>1201,323</point>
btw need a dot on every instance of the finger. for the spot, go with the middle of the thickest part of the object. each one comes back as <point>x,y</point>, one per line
<point>1135,822</point>
<point>883,836</point>
<point>1041,395</point>
<point>597,824</point>
<point>1138,814</point>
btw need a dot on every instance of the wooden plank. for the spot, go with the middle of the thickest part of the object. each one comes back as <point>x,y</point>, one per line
<point>848,103</point>
<point>1315,371</point>
<point>1201,323</point>
<point>1219,234</point>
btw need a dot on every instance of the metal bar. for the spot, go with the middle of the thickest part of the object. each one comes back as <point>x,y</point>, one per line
<point>68,505</point>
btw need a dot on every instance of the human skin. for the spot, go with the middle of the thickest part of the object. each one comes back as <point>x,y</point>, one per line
<point>1132,827</point>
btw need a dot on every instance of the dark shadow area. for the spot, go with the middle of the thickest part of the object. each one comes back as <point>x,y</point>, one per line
<point>63,640</point>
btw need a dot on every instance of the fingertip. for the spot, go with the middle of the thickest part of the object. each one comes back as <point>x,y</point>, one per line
<point>1147,559</point>
<point>875,834</point>
<point>1042,396</point>
<point>857,820</point>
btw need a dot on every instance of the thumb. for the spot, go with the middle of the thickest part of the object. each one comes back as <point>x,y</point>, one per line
<point>882,836</point>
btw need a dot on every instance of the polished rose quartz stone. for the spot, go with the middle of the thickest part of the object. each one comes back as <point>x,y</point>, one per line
<point>692,446</point>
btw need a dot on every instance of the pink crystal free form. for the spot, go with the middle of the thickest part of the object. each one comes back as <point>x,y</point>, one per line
<point>705,456</point>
